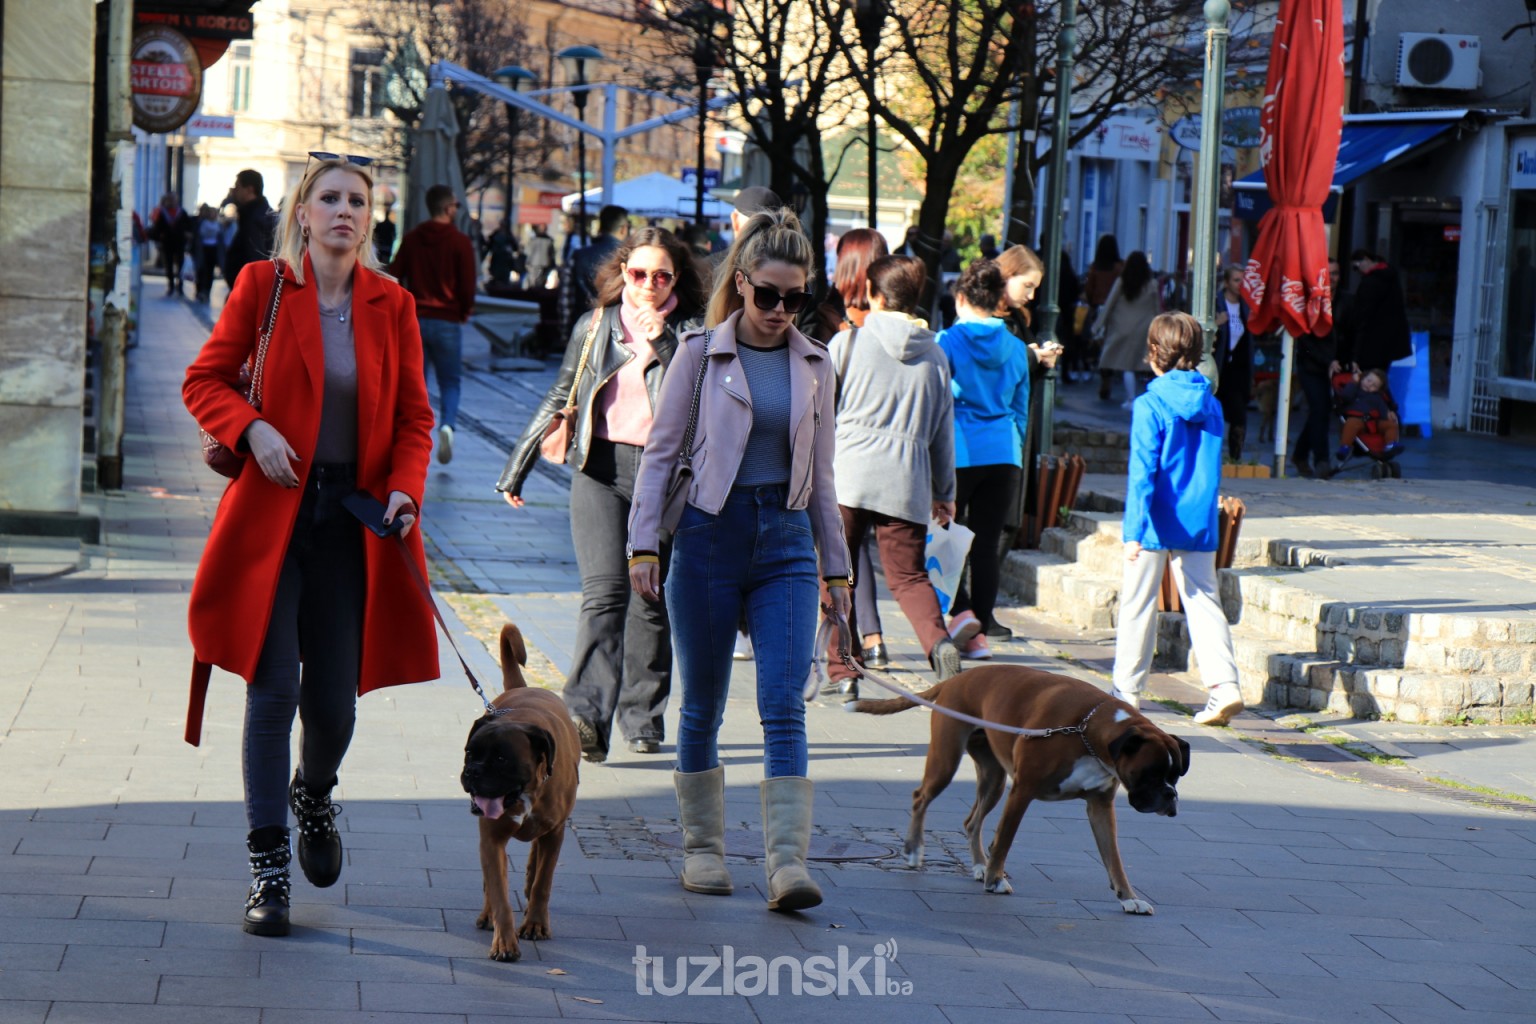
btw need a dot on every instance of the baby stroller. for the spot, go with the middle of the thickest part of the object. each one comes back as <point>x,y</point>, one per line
<point>1370,446</point>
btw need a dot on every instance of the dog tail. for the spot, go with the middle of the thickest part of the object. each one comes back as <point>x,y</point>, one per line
<point>892,705</point>
<point>514,655</point>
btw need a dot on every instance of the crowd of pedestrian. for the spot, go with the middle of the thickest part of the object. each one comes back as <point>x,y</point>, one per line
<point>736,446</point>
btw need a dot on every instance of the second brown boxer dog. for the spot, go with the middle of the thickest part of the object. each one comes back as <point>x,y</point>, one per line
<point>1116,746</point>
<point>520,771</point>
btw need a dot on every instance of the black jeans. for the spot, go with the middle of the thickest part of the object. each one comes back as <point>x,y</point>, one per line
<point>984,498</point>
<point>623,657</point>
<point>1313,442</point>
<point>309,661</point>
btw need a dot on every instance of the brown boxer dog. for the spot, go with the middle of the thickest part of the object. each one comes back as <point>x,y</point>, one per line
<point>1116,746</point>
<point>520,771</point>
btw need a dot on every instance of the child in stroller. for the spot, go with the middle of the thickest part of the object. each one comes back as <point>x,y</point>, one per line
<point>1370,425</point>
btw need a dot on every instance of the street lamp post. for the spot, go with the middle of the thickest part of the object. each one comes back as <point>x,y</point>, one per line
<point>1208,176</point>
<point>514,78</point>
<point>869,16</point>
<point>1050,308</point>
<point>574,59</point>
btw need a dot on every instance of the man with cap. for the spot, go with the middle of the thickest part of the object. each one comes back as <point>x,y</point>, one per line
<point>750,200</point>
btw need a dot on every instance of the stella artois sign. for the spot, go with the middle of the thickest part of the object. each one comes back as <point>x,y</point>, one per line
<point>167,79</point>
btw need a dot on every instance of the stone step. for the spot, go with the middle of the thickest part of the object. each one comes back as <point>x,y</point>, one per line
<point>1051,585</point>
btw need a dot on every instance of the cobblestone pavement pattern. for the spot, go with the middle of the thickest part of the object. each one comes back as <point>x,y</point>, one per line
<point>1282,895</point>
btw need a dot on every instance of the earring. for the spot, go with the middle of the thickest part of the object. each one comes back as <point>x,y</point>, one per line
<point>306,234</point>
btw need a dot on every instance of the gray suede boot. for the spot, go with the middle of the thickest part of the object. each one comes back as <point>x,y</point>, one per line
<point>787,836</point>
<point>701,809</point>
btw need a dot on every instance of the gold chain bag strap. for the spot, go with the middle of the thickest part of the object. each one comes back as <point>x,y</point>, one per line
<point>221,458</point>
<point>682,472</point>
<point>557,436</point>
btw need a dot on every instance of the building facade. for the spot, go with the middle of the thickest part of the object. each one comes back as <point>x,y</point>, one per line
<point>47,65</point>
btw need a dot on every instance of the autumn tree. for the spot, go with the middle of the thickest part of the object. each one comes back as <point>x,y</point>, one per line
<point>480,35</point>
<point>784,59</point>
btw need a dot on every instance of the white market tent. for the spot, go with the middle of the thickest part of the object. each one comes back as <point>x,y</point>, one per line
<point>651,195</point>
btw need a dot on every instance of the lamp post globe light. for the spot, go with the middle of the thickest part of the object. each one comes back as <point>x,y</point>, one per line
<point>516,79</point>
<point>869,17</point>
<point>1208,176</point>
<point>574,60</point>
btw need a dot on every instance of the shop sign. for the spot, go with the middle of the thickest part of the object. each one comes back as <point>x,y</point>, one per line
<point>1239,128</point>
<point>202,26</point>
<point>711,176</point>
<point>1124,138</point>
<point>1451,233</point>
<point>211,126</point>
<point>167,79</point>
<point>1522,164</point>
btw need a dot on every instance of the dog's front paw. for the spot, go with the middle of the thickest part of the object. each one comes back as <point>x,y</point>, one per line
<point>1001,887</point>
<point>915,858</point>
<point>484,920</point>
<point>979,872</point>
<point>1136,906</point>
<point>504,950</point>
<point>533,929</point>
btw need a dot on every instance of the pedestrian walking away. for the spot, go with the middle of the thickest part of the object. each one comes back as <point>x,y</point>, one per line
<point>1316,363</point>
<point>254,224</point>
<point>990,370</point>
<point>292,594</point>
<point>436,263</point>
<point>172,228</point>
<point>844,309</point>
<point>1122,326</point>
<point>1376,332</point>
<point>541,258</point>
<point>895,462</point>
<point>758,505</point>
<point>1171,517</point>
<point>209,239</point>
<point>614,367</point>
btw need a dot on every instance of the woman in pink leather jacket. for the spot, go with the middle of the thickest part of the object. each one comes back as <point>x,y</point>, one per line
<point>760,505</point>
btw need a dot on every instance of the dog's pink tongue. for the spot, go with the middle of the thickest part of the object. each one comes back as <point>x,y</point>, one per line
<point>490,806</point>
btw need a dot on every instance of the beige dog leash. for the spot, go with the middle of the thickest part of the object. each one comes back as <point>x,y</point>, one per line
<point>831,622</point>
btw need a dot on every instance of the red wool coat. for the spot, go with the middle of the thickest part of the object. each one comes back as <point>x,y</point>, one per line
<point>236,580</point>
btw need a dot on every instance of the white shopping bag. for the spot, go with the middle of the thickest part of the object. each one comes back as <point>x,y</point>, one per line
<point>944,558</point>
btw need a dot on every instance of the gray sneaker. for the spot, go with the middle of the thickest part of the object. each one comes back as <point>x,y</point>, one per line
<point>945,659</point>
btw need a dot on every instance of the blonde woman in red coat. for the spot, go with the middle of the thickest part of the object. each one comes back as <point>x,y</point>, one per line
<point>292,594</point>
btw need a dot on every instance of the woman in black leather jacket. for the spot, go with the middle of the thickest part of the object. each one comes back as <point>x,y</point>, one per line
<point>647,294</point>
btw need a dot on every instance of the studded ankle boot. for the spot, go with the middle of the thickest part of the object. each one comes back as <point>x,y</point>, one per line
<point>319,842</point>
<point>266,908</point>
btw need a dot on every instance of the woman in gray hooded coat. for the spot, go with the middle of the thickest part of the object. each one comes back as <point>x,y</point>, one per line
<point>895,461</point>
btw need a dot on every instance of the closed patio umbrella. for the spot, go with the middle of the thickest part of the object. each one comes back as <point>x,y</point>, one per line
<point>435,159</point>
<point>1286,280</point>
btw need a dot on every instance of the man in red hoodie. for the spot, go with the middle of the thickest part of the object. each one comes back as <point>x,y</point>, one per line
<point>436,263</point>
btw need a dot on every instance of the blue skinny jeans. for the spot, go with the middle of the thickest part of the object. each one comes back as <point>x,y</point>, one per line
<point>759,557</point>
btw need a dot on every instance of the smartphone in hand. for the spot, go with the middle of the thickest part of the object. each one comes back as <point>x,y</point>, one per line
<point>370,512</point>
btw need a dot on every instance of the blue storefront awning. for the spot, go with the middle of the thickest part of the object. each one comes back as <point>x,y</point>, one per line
<point>1369,142</point>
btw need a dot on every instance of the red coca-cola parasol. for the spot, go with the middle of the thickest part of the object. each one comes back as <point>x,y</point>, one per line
<point>1286,280</point>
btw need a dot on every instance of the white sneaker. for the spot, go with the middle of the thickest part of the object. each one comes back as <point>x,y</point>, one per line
<point>445,444</point>
<point>743,651</point>
<point>1226,700</point>
<point>963,627</point>
<point>1133,699</point>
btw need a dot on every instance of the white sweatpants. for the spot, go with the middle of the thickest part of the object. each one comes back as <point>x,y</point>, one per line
<point>1195,574</point>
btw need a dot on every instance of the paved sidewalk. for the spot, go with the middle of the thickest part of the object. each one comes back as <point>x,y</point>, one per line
<point>1282,895</point>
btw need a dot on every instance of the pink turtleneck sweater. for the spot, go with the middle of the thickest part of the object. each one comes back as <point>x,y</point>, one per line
<point>624,406</point>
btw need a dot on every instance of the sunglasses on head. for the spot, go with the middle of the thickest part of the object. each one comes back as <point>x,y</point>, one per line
<point>766,298</point>
<point>351,158</point>
<point>658,278</point>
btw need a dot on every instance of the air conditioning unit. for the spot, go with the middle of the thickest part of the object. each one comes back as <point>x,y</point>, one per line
<point>1427,61</point>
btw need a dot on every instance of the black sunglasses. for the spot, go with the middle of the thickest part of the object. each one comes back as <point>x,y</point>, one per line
<point>351,158</point>
<point>766,298</point>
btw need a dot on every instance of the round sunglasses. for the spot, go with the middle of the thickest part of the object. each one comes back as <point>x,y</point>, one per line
<point>766,298</point>
<point>658,278</point>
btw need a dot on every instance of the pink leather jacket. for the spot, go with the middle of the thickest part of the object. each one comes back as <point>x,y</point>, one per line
<point>725,419</point>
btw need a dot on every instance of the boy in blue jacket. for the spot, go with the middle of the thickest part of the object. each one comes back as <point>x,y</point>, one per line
<point>1171,512</point>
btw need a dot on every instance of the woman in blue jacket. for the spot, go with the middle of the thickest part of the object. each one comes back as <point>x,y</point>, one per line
<point>989,369</point>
